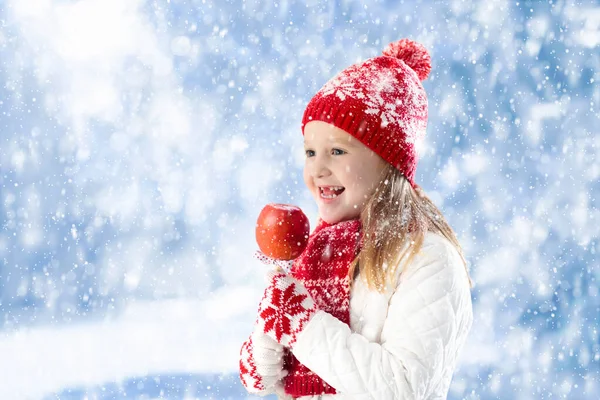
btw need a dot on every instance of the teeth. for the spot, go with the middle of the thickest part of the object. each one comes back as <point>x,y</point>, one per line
<point>331,196</point>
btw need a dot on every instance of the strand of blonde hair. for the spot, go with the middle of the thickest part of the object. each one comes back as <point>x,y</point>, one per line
<point>394,223</point>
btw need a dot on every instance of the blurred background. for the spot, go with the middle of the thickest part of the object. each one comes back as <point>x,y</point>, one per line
<point>139,141</point>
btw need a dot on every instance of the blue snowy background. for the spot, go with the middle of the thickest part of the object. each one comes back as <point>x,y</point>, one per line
<point>139,140</point>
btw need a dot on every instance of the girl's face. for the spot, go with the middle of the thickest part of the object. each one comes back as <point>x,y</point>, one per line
<point>340,172</point>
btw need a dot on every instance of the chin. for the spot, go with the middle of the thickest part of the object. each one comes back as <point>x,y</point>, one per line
<point>334,219</point>
<point>330,219</point>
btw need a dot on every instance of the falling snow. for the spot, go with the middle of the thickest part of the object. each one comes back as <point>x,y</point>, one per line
<point>140,140</point>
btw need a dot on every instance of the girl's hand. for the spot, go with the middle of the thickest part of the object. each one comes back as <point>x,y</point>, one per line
<point>285,309</point>
<point>261,364</point>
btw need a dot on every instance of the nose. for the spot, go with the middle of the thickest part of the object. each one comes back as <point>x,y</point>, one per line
<point>318,167</point>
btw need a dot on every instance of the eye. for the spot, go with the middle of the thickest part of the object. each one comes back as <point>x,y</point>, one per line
<point>335,152</point>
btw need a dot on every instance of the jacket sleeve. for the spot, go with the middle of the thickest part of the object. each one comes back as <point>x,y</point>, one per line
<point>428,319</point>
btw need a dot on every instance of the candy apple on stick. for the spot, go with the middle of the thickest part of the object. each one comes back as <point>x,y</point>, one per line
<point>282,232</point>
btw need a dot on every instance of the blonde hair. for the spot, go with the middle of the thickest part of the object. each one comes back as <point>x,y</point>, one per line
<point>394,222</point>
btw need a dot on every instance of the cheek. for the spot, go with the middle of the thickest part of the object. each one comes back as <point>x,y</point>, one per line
<point>355,176</point>
<point>306,176</point>
<point>366,178</point>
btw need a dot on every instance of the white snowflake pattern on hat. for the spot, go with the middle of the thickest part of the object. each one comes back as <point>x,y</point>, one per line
<point>413,127</point>
<point>343,87</point>
<point>382,83</point>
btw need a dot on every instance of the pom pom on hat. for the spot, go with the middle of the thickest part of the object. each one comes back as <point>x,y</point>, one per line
<point>413,54</point>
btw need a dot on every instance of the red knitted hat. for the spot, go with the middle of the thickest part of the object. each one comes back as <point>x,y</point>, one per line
<point>381,102</point>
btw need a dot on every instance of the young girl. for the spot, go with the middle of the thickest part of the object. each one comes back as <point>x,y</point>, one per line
<point>378,306</point>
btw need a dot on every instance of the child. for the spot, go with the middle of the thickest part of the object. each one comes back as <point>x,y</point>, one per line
<point>378,306</point>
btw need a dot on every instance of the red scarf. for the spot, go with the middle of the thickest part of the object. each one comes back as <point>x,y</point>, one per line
<point>323,268</point>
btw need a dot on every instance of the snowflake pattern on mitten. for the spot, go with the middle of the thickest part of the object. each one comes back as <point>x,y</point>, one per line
<point>285,309</point>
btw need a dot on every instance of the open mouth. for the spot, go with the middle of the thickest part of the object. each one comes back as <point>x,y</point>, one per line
<point>331,192</point>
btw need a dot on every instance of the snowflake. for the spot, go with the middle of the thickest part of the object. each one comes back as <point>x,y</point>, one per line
<point>415,128</point>
<point>377,102</point>
<point>343,86</point>
<point>285,304</point>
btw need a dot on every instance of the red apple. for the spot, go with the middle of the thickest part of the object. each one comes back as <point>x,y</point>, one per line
<point>282,231</point>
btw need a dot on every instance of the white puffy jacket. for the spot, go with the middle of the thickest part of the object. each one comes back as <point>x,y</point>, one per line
<point>401,344</point>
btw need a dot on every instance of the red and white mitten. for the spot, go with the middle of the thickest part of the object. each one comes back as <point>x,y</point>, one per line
<point>285,309</point>
<point>261,364</point>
